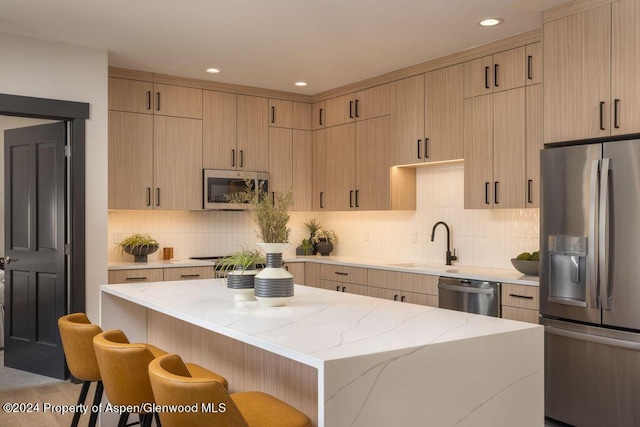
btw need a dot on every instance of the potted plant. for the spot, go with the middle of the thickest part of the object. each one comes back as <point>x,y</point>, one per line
<point>305,248</point>
<point>312,227</point>
<point>240,272</point>
<point>138,245</point>
<point>324,240</point>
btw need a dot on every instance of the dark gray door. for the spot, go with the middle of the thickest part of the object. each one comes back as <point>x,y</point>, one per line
<point>35,285</point>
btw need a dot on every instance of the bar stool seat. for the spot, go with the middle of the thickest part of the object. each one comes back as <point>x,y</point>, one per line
<point>175,383</point>
<point>77,332</point>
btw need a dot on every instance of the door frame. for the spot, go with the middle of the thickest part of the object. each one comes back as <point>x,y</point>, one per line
<point>75,113</point>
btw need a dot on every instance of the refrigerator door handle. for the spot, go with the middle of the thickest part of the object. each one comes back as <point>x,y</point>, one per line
<point>603,235</point>
<point>593,338</point>
<point>592,255</point>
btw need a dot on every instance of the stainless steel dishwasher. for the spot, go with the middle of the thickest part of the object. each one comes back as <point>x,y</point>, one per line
<point>471,296</point>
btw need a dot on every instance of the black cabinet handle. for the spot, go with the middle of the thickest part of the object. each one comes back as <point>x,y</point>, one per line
<point>357,108</point>
<point>419,143</point>
<point>495,192</point>
<point>351,109</point>
<point>344,288</point>
<point>273,198</point>
<point>321,116</point>
<point>529,199</point>
<point>242,157</point>
<point>157,101</point>
<point>486,193</point>
<point>340,273</point>
<point>486,77</point>
<point>273,114</point>
<point>186,276</point>
<point>148,196</point>
<point>601,115</point>
<point>395,297</point>
<point>158,196</point>
<point>233,158</point>
<point>338,288</point>
<point>136,278</point>
<point>148,100</point>
<point>495,75</point>
<point>530,67</point>
<point>521,296</point>
<point>351,198</point>
<point>616,103</point>
<point>402,298</point>
<point>321,199</point>
<point>426,148</point>
<point>357,197</point>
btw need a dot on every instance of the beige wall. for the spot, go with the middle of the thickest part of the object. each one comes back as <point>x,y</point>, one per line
<point>50,70</point>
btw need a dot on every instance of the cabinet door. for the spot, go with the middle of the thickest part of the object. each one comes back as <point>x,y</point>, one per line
<point>280,160</point>
<point>407,120</point>
<point>534,63</point>
<point>297,269</point>
<point>302,170</point>
<point>509,149</point>
<point>133,96</point>
<point>478,76</point>
<point>444,109</point>
<point>349,288</point>
<point>253,133</point>
<point>177,101</point>
<point>301,116</point>
<point>319,157</point>
<point>577,71</point>
<point>520,314</point>
<point>136,275</point>
<point>372,189</point>
<point>625,57</point>
<point>130,160</point>
<point>280,113</point>
<point>177,170</point>
<point>339,173</point>
<point>340,110</point>
<point>188,273</point>
<point>478,152</point>
<point>390,294</point>
<point>534,144</point>
<point>420,299</point>
<point>318,116</point>
<point>344,273</point>
<point>218,130</point>
<point>509,69</point>
<point>372,102</point>
<point>312,274</point>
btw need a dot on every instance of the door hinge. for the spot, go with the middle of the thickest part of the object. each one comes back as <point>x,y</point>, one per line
<point>67,249</point>
<point>67,151</point>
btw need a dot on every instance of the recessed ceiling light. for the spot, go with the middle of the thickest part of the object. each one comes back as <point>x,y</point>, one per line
<point>300,84</point>
<point>213,70</point>
<point>490,22</point>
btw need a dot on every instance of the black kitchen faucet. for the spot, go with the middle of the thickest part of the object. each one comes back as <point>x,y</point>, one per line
<point>433,234</point>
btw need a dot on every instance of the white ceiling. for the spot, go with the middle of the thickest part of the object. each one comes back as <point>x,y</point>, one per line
<point>271,43</point>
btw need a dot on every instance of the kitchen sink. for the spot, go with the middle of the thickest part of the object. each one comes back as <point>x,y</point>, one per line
<point>424,266</point>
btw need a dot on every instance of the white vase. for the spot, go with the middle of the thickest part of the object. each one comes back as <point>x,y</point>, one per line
<point>273,286</point>
<point>242,282</point>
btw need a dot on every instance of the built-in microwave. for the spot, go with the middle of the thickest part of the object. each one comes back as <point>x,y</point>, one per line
<point>218,184</point>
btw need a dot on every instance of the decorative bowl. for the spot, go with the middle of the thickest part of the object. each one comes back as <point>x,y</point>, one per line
<point>526,267</point>
<point>140,252</point>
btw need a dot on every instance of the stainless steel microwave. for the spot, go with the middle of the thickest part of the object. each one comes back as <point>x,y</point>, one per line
<point>218,184</point>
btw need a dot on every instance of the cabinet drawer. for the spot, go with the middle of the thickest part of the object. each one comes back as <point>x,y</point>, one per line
<point>420,299</point>
<point>520,296</point>
<point>520,314</point>
<point>341,273</point>
<point>188,273</point>
<point>136,275</point>
<point>409,282</point>
<point>349,288</point>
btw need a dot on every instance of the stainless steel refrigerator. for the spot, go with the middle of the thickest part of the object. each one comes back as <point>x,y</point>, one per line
<point>590,282</point>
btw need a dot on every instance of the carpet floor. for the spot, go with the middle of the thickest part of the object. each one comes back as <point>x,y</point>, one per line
<point>14,378</point>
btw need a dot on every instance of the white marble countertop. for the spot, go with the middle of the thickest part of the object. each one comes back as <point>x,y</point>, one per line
<point>317,325</point>
<point>460,271</point>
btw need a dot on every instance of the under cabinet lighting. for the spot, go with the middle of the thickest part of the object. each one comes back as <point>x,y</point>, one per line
<point>490,22</point>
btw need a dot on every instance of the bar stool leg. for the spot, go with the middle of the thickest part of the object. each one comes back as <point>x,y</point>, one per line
<point>96,401</point>
<point>124,417</point>
<point>157,417</point>
<point>81,399</point>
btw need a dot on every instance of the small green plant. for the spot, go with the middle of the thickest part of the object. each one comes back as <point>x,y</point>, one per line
<point>324,234</point>
<point>136,243</point>
<point>241,260</point>
<point>307,246</point>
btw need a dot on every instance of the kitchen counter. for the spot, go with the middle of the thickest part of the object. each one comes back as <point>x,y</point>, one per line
<point>159,264</point>
<point>369,362</point>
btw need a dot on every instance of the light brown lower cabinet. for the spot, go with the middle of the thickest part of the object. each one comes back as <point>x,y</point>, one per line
<point>160,274</point>
<point>404,287</point>
<point>298,270</point>
<point>312,274</point>
<point>188,273</point>
<point>520,302</point>
<point>346,287</point>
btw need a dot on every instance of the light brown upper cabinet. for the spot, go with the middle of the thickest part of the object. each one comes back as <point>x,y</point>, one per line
<point>533,144</point>
<point>592,86</point>
<point>427,112</point>
<point>280,113</point>
<point>290,165</point>
<point>494,147</point>
<point>301,116</point>
<point>318,113</point>
<point>153,98</point>
<point>362,105</point>
<point>501,71</point>
<point>319,158</point>
<point>154,162</point>
<point>219,130</point>
<point>534,63</point>
<point>252,152</point>
<point>302,170</point>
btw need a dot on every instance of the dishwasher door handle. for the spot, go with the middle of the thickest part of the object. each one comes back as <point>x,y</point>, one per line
<point>466,289</point>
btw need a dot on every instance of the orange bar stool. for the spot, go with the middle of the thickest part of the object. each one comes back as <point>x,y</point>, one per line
<point>124,369</point>
<point>175,383</point>
<point>77,332</point>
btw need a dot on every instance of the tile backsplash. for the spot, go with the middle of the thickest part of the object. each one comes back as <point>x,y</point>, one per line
<point>487,238</point>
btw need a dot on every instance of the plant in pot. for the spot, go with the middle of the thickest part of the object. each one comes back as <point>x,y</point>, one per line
<point>312,227</point>
<point>305,248</point>
<point>324,240</point>
<point>138,245</point>
<point>239,268</point>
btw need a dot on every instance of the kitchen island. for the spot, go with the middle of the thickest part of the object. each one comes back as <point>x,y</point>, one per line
<point>344,359</point>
